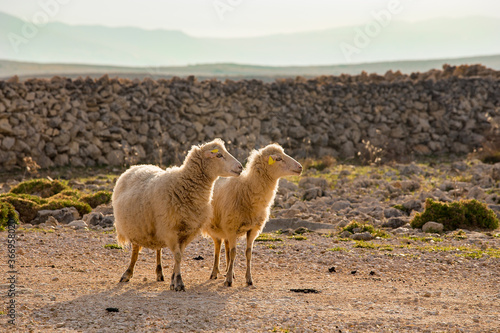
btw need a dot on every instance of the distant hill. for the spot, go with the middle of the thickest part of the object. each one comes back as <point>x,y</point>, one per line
<point>232,71</point>
<point>440,38</point>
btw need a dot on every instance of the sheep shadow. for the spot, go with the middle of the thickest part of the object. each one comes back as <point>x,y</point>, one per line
<point>133,306</point>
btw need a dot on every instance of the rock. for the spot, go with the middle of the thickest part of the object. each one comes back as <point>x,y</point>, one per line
<point>345,234</point>
<point>312,193</point>
<point>394,222</point>
<point>476,193</point>
<point>392,212</point>
<point>93,218</point>
<point>310,182</point>
<point>340,205</point>
<point>288,185</point>
<point>432,227</point>
<point>362,236</point>
<point>401,231</point>
<point>63,215</point>
<point>78,224</point>
<point>413,204</point>
<point>300,206</point>
<point>51,221</point>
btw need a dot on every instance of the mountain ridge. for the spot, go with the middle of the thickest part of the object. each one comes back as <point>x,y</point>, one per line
<point>134,47</point>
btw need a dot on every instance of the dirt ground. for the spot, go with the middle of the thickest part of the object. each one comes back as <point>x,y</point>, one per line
<point>67,281</point>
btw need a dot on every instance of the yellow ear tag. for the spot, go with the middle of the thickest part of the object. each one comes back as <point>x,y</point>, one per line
<point>214,151</point>
<point>271,161</point>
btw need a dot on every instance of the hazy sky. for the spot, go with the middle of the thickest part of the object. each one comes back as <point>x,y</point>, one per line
<point>240,18</point>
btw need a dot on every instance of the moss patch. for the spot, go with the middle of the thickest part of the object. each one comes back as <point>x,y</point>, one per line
<point>7,212</point>
<point>463,214</point>
<point>42,194</point>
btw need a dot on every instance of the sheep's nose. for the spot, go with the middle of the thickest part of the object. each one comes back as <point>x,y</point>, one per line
<point>240,167</point>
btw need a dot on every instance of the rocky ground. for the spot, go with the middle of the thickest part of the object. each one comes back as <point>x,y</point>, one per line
<point>67,279</point>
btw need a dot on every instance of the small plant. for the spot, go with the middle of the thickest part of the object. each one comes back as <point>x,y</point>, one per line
<point>369,154</point>
<point>337,249</point>
<point>301,231</point>
<point>369,245</point>
<point>267,238</point>
<point>354,227</point>
<point>113,246</point>
<point>424,239</point>
<point>458,235</point>
<point>458,214</point>
<point>364,245</point>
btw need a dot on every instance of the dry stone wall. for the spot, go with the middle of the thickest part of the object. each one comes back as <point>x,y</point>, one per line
<point>87,122</point>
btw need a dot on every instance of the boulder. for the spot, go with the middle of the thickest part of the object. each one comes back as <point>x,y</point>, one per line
<point>432,227</point>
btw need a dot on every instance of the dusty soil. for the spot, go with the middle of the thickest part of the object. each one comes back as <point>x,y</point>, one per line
<point>66,280</point>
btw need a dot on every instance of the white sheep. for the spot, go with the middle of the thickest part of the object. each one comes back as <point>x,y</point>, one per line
<point>158,208</point>
<point>242,205</point>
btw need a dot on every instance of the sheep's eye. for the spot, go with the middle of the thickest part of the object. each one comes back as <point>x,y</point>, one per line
<point>219,155</point>
<point>278,158</point>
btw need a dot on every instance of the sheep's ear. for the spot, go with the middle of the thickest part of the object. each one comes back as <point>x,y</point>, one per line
<point>211,153</point>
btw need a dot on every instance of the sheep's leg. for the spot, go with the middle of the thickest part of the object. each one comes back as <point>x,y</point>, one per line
<point>226,247</point>
<point>130,270</point>
<point>159,270</point>
<point>217,246</point>
<point>232,256</point>
<point>176,280</point>
<point>251,235</point>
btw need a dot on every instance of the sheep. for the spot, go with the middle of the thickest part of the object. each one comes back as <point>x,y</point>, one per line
<point>156,208</point>
<point>242,205</point>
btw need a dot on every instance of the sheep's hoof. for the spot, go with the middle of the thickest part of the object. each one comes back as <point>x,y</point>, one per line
<point>213,277</point>
<point>160,278</point>
<point>228,283</point>
<point>125,278</point>
<point>249,283</point>
<point>180,288</point>
<point>172,287</point>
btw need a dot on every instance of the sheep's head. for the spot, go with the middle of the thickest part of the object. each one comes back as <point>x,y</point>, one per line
<point>277,163</point>
<point>218,160</point>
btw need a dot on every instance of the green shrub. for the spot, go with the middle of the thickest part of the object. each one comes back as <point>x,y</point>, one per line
<point>6,212</point>
<point>96,199</point>
<point>28,205</point>
<point>461,214</point>
<point>41,187</point>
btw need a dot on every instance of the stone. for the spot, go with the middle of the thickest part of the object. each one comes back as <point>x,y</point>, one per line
<point>64,215</point>
<point>362,236</point>
<point>432,227</point>
<point>93,218</point>
<point>78,224</point>
<point>310,182</point>
<point>8,142</point>
<point>288,185</point>
<point>392,212</point>
<point>394,222</point>
<point>115,157</point>
<point>312,193</point>
<point>340,205</point>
